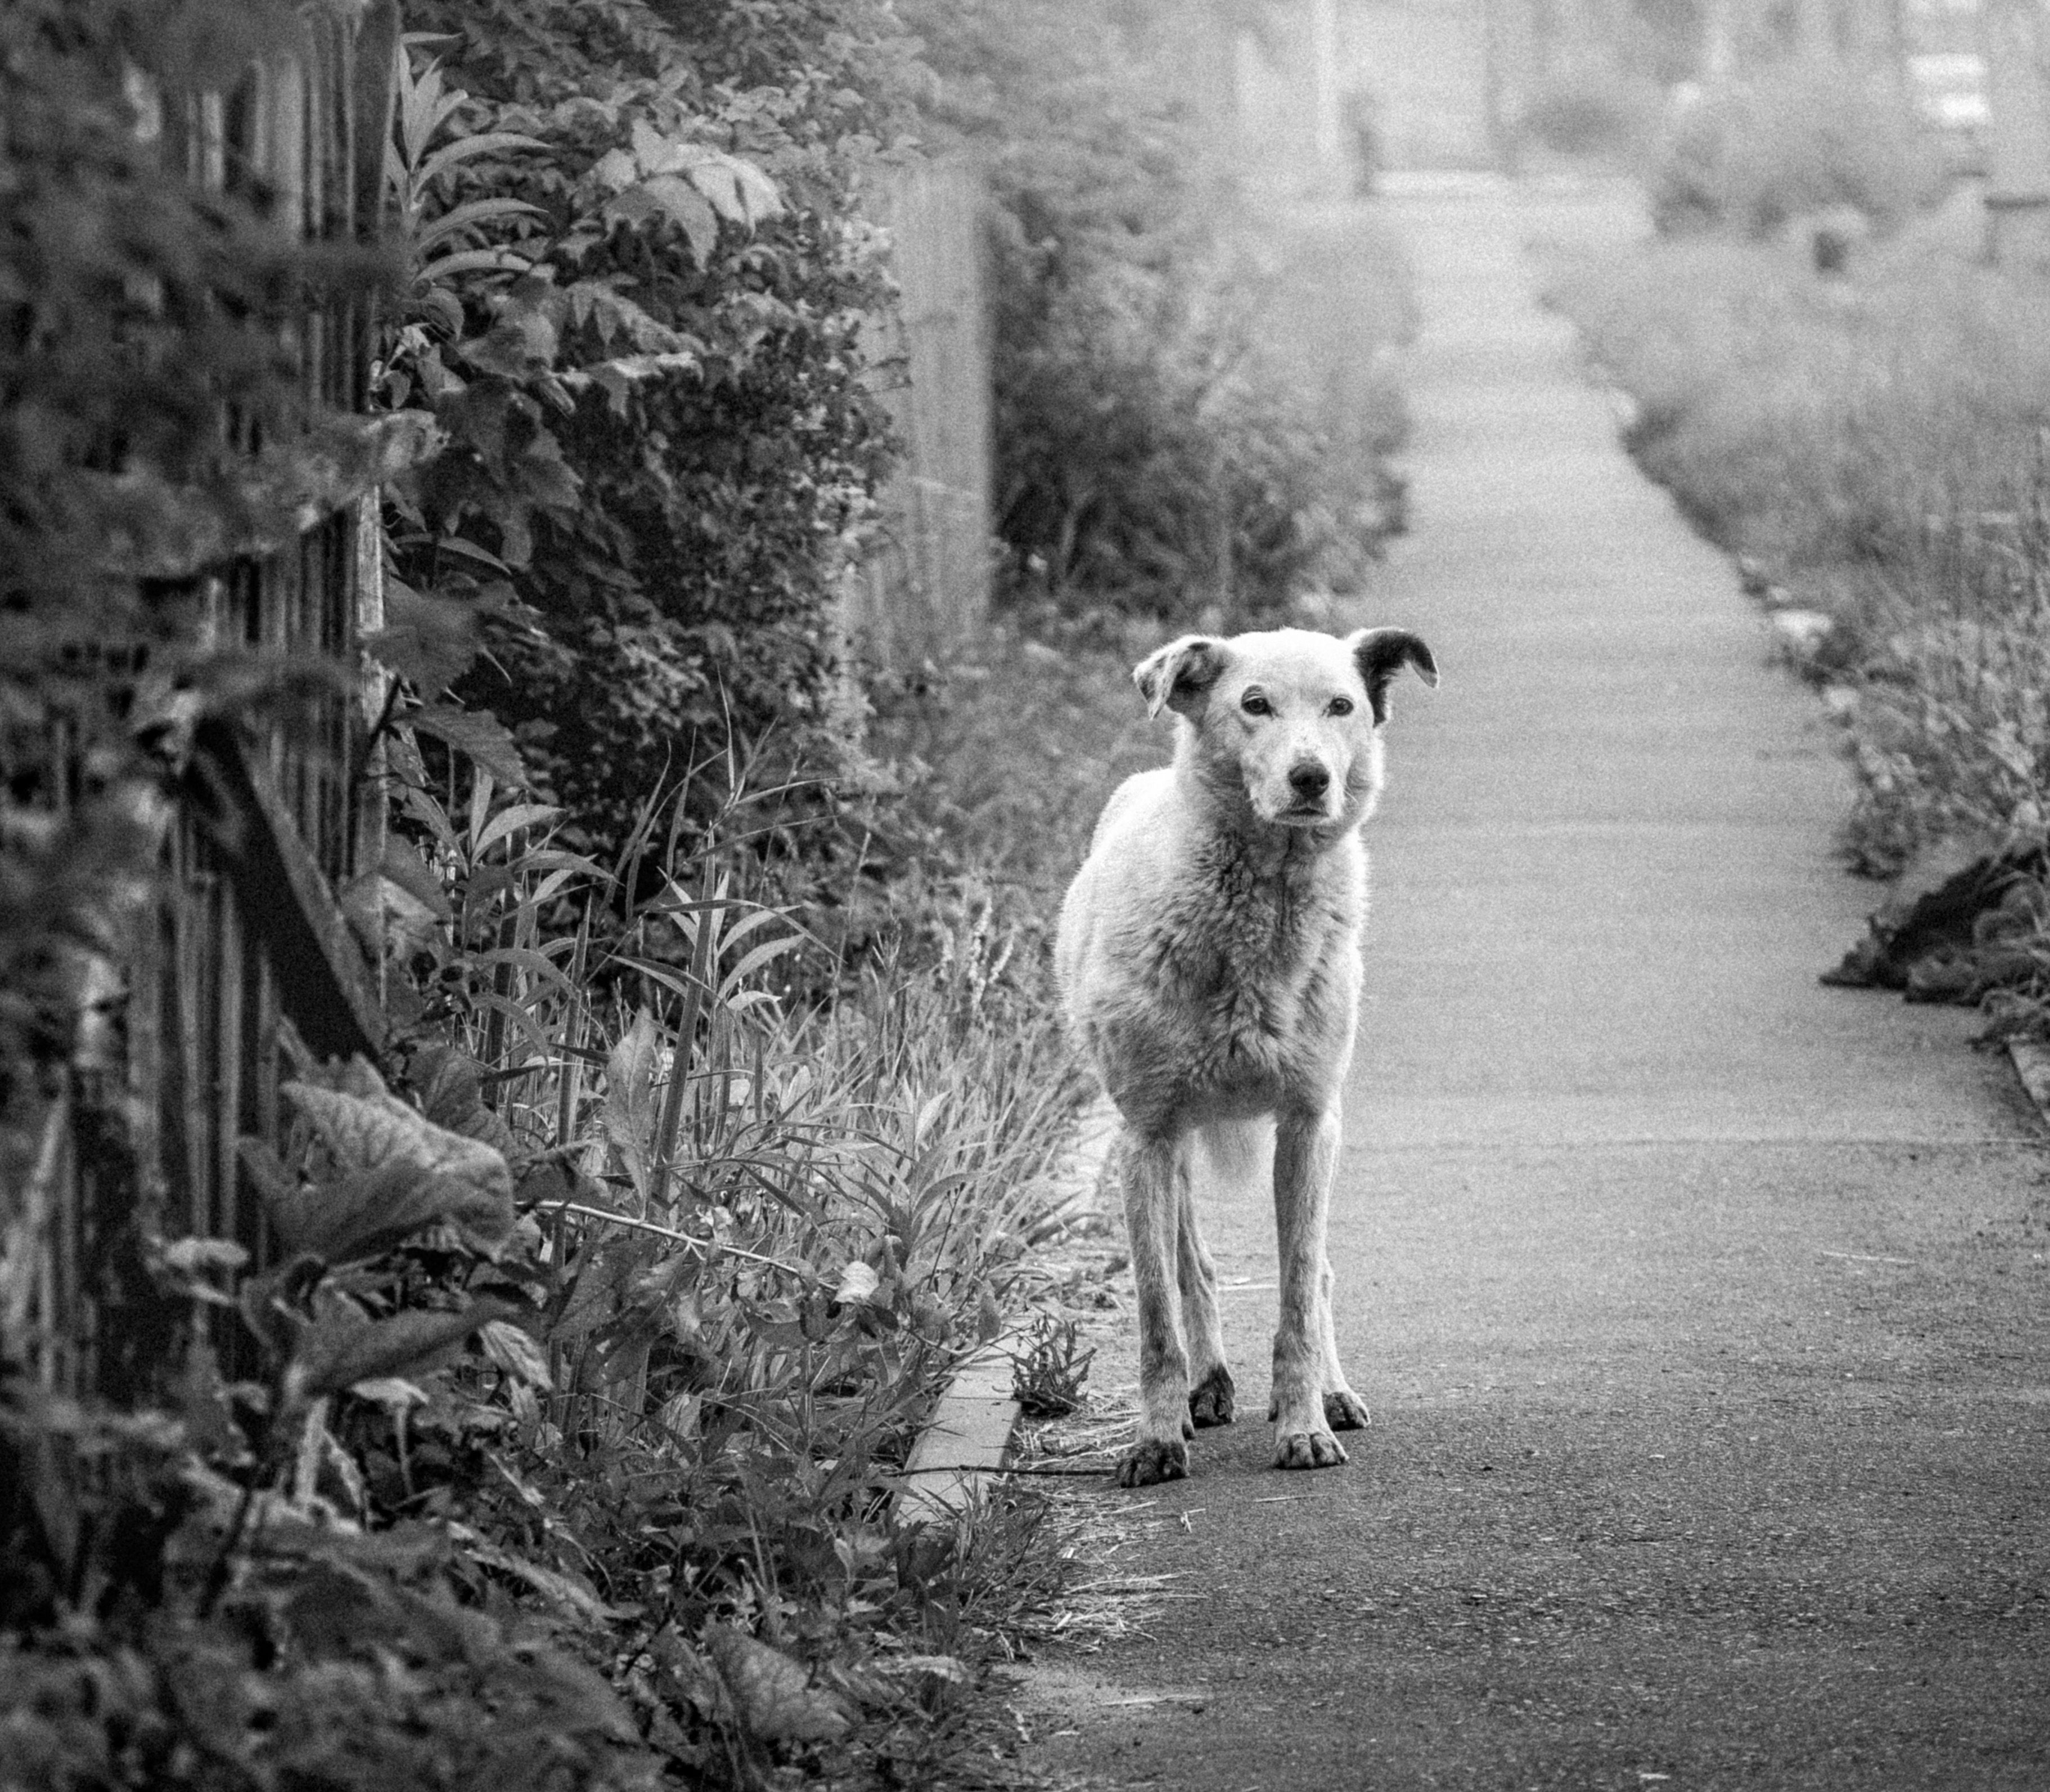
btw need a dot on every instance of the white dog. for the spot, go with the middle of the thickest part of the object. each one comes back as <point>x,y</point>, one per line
<point>1209,958</point>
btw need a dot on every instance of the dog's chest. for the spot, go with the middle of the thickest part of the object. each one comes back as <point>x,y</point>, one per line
<point>1248,953</point>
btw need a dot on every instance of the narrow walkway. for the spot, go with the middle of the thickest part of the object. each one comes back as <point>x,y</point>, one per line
<point>1700,1307</point>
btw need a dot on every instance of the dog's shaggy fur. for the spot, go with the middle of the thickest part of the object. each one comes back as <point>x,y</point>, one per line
<point>1210,961</point>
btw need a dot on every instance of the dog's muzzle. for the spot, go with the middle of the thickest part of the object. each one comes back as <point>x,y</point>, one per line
<point>1309,783</point>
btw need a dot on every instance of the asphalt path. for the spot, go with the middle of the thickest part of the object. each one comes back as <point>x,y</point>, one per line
<point>1700,1306</point>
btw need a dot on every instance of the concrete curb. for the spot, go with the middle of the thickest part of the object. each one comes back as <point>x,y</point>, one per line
<point>965,1440</point>
<point>2032,1063</point>
<point>969,1435</point>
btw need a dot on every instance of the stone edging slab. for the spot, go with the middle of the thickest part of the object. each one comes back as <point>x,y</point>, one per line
<point>2032,1065</point>
<point>969,1434</point>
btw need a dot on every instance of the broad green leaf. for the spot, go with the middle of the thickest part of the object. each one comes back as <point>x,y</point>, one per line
<point>511,820</point>
<point>773,1696</point>
<point>857,1283</point>
<point>669,198</point>
<point>428,640</point>
<point>398,1172</point>
<point>401,864</point>
<point>475,261</point>
<point>629,1099</point>
<point>467,216</point>
<point>484,142</point>
<point>476,732</point>
<point>654,153</point>
<point>616,170</point>
<point>513,1349</point>
<point>334,1353</point>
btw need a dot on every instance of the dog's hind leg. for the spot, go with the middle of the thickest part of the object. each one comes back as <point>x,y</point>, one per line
<point>1211,1390</point>
<point>1305,1155</point>
<point>1155,1171</point>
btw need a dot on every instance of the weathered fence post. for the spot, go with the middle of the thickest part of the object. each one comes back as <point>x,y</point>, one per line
<point>2013,41</point>
<point>925,585</point>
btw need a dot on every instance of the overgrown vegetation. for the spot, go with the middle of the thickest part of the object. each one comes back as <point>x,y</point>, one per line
<point>1156,447</point>
<point>1873,441</point>
<point>1795,138</point>
<point>712,1260</point>
<point>662,447</point>
<point>554,1444</point>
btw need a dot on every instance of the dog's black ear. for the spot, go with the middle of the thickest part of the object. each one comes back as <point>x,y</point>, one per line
<point>1380,654</point>
<point>1175,677</point>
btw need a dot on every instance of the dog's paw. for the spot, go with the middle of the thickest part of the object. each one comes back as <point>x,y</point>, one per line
<point>1307,1450</point>
<point>1210,1400</point>
<point>1346,1411</point>
<point>1152,1459</point>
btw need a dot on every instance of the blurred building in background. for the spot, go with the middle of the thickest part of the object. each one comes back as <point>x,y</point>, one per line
<point>1319,94</point>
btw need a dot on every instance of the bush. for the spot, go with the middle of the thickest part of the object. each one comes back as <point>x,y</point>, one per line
<point>1750,157</point>
<point>1151,448</point>
<point>659,425</point>
<point>1592,111</point>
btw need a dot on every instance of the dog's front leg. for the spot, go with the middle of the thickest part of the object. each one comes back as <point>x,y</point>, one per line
<point>1211,1390</point>
<point>1344,1411</point>
<point>1305,1155</point>
<point>1160,1452</point>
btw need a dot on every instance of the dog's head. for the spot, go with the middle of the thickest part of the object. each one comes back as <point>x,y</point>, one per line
<point>1288,723</point>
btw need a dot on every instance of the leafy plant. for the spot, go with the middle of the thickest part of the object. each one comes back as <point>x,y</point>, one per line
<point>1048,1377</point>
<point>660,446</point>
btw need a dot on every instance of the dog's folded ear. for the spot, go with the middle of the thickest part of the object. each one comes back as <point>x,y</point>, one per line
<point>1380,654</point>
<point>1176,677</point>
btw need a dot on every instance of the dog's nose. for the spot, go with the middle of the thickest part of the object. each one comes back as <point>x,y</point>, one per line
<point>1309,779</point>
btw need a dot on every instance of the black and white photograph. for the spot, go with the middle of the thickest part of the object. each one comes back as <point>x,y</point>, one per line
<point>1024,896</point>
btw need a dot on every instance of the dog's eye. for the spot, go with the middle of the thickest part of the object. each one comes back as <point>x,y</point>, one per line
<point>1253,704</point>
<point>1341,706</point>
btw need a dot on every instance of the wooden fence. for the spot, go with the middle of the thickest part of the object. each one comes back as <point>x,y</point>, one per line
<point>246,962</point>
<point>926,583</point>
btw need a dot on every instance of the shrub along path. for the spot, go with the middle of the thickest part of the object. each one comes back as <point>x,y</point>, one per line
<point>1700,1307</point>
